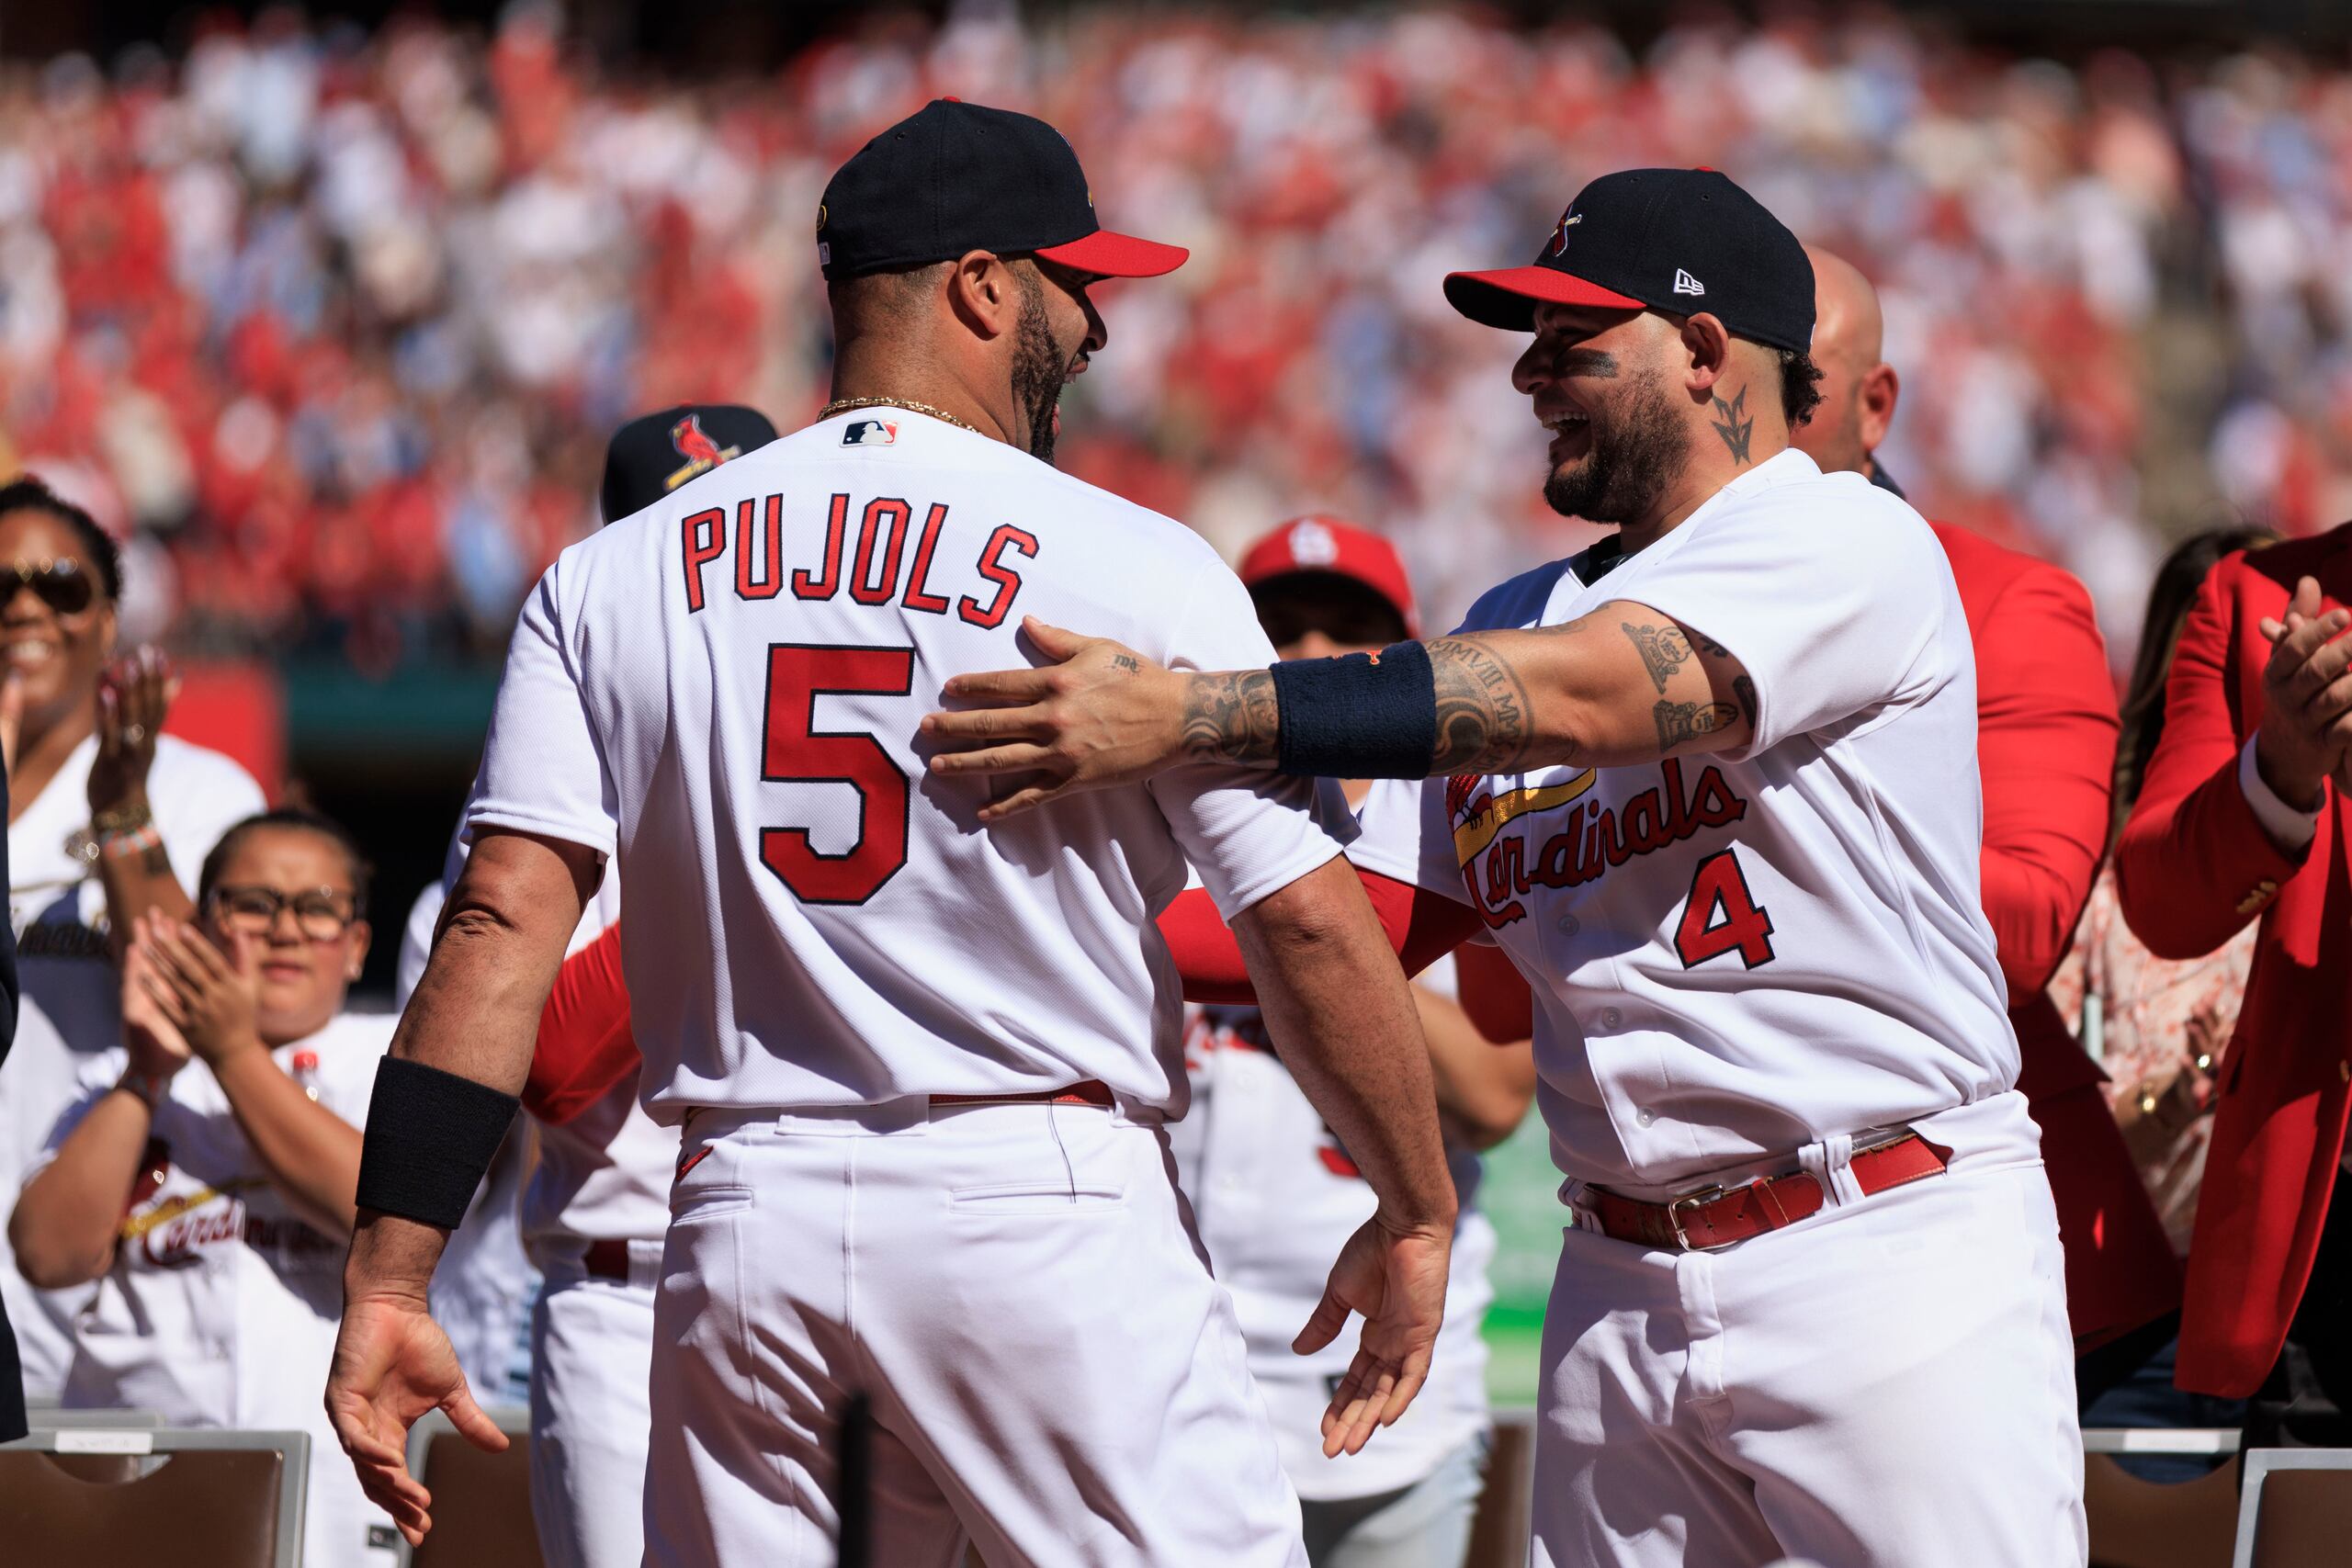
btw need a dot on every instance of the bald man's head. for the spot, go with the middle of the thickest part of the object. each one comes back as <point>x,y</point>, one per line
<point>1858,391</point>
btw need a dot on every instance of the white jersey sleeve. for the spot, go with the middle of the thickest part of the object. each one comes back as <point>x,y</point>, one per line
<point>1241,850</point>
<point>1834,614</point>
<point>1404,835</point>
<point>541,769</point>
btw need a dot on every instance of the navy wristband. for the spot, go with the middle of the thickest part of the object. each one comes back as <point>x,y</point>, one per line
<point>431,1136</point>
<point>1364,715</point>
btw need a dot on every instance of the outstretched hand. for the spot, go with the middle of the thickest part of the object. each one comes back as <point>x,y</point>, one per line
<point>391,1364</point>
<point>1396,1280</point>
<point>2305,735</point>
<point>1100,715</point>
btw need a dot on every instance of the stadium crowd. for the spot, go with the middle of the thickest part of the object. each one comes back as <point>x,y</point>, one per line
<point>329,325</point>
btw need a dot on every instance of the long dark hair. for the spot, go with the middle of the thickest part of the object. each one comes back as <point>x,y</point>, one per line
<point>2170,597</point>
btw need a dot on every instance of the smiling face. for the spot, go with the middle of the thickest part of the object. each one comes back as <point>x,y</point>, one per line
<point>1058,329</point>
<point>1598,381</point>
<point>57,657</point>
<point>303,976</point>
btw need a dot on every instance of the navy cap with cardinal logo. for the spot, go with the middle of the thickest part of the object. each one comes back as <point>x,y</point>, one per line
<point>1679,241</point>
<point>955,177</point>
<point>654,454</point>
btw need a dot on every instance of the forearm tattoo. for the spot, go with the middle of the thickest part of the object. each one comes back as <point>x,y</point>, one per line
<point>1735,425</point>
<point>1230,718</point>
<point>1483,717</point>
<point>1664,649</point>
<point>1679,723</point>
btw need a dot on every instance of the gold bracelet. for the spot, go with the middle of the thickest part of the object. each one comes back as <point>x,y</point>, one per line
<point>122,819</point>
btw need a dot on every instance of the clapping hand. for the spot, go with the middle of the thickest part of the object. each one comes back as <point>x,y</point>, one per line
<point>2306,729</point>
<point>157,1048</point>
<point>134,694</point>
<point>204,994</point>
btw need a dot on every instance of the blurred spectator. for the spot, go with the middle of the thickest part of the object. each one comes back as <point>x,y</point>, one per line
<point>2159,1027</point>
<point>205,1178</point>
<point>337,320</point>
<point>107,820</point>
<point>2242,819</point>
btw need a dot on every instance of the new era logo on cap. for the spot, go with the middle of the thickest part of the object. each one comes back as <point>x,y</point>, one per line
<point>1685,284</point>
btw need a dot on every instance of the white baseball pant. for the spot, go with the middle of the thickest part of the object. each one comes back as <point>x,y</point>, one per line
<point>1017,1291</point>
<point>1886,1384</point>
<point>592,1356</point>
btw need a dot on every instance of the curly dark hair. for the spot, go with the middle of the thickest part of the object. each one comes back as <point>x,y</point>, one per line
<point>25,493</point>
<point>1799,385</point>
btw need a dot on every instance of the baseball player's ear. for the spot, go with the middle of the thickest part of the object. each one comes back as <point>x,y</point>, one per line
<point>982,291</point>
<point>1709,348</point>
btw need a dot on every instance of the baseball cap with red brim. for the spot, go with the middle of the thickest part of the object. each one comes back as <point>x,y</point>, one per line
<point>955,177</point>
<point>1313,546</point>
<point>1679,241</point>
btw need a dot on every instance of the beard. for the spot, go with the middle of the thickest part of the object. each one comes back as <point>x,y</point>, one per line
<point>1635,449</point>
<point>1039,368</point>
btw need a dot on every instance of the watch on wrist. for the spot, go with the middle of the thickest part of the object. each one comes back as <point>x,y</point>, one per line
<point>150,1088</point>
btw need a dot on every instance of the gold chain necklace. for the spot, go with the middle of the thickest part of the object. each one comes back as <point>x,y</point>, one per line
<point>843,405</point>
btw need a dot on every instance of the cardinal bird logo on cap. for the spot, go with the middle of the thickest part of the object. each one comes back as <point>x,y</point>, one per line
<point>1569,221</point>
<point>701,452</point>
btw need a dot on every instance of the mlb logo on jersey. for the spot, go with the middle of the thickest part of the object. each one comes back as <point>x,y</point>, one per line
<point>869,433</point>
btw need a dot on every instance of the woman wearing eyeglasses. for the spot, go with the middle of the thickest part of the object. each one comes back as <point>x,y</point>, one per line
<point>205,1178</point>
<point>107,820</point>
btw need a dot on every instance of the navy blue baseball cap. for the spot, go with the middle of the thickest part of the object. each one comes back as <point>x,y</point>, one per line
<point>953,177</point>
<point>655,453</point>
<point>1679,241</point>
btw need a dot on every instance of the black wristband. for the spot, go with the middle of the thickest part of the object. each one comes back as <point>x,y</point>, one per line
<point>431,1136</point>
<point>1366,716</point>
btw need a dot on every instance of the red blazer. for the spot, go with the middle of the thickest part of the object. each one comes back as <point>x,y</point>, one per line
<point>2046,735</point>
<point>2192,868</point>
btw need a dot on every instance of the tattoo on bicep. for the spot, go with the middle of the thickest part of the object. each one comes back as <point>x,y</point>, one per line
<point>1482,709</point>
<point>1230,718</point>
<point>1709,645</point>
<point>1744,689</point>
<point>1679,723</point>
<point>1664,649</point>
<point>1736,425</point>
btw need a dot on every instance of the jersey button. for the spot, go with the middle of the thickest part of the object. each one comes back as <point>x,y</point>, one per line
<point>1610,1019</point>
<point>1646,1118</point>
<point>1568,925</point>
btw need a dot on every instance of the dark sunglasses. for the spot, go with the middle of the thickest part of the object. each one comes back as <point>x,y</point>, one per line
<point>61,585</point>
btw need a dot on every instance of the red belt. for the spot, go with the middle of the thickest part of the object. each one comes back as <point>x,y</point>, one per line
<point>1091,1091</point>
<point>606,1260</point>
<point>1708,1217</point>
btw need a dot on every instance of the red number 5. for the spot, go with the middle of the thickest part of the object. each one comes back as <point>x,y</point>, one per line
<point>1719,887</point>
<point>796,753</point>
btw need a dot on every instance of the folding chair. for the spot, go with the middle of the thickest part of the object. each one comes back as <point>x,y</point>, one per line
<point>1507,1503</point>
<point>132,1494</point>
<point>2150,1524</point>
<point>482,1503</point>
<point>2297,1511</point>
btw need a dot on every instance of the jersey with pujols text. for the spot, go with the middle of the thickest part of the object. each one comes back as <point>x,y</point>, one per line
<point>724,691</point>
<point>1737,955</point>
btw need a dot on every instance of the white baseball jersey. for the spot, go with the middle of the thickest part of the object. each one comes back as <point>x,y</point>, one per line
<point>1274,1196</point>
<point>1734,956</point>
<point>724,690</point>
<point>221,1307</point>
<point>71,989</point>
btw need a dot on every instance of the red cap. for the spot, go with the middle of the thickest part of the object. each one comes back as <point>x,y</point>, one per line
<point>1318,543</point>
<point>1109,254</point>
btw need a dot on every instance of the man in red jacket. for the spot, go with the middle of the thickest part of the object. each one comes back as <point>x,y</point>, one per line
<point>2046,733</point>
<point>2243,817</point>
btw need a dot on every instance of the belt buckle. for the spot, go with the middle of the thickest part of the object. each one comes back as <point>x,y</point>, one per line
<point>1673,1207</point>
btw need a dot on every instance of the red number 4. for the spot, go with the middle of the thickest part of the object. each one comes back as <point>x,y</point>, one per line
<point>1723,916</point>
<point>795,752</point>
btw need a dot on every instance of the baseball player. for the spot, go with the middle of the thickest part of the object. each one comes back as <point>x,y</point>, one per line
<point>920,1067</point>
<point>595,1204</point>
<point>1274,1193</point>
<point>1714,788</point>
